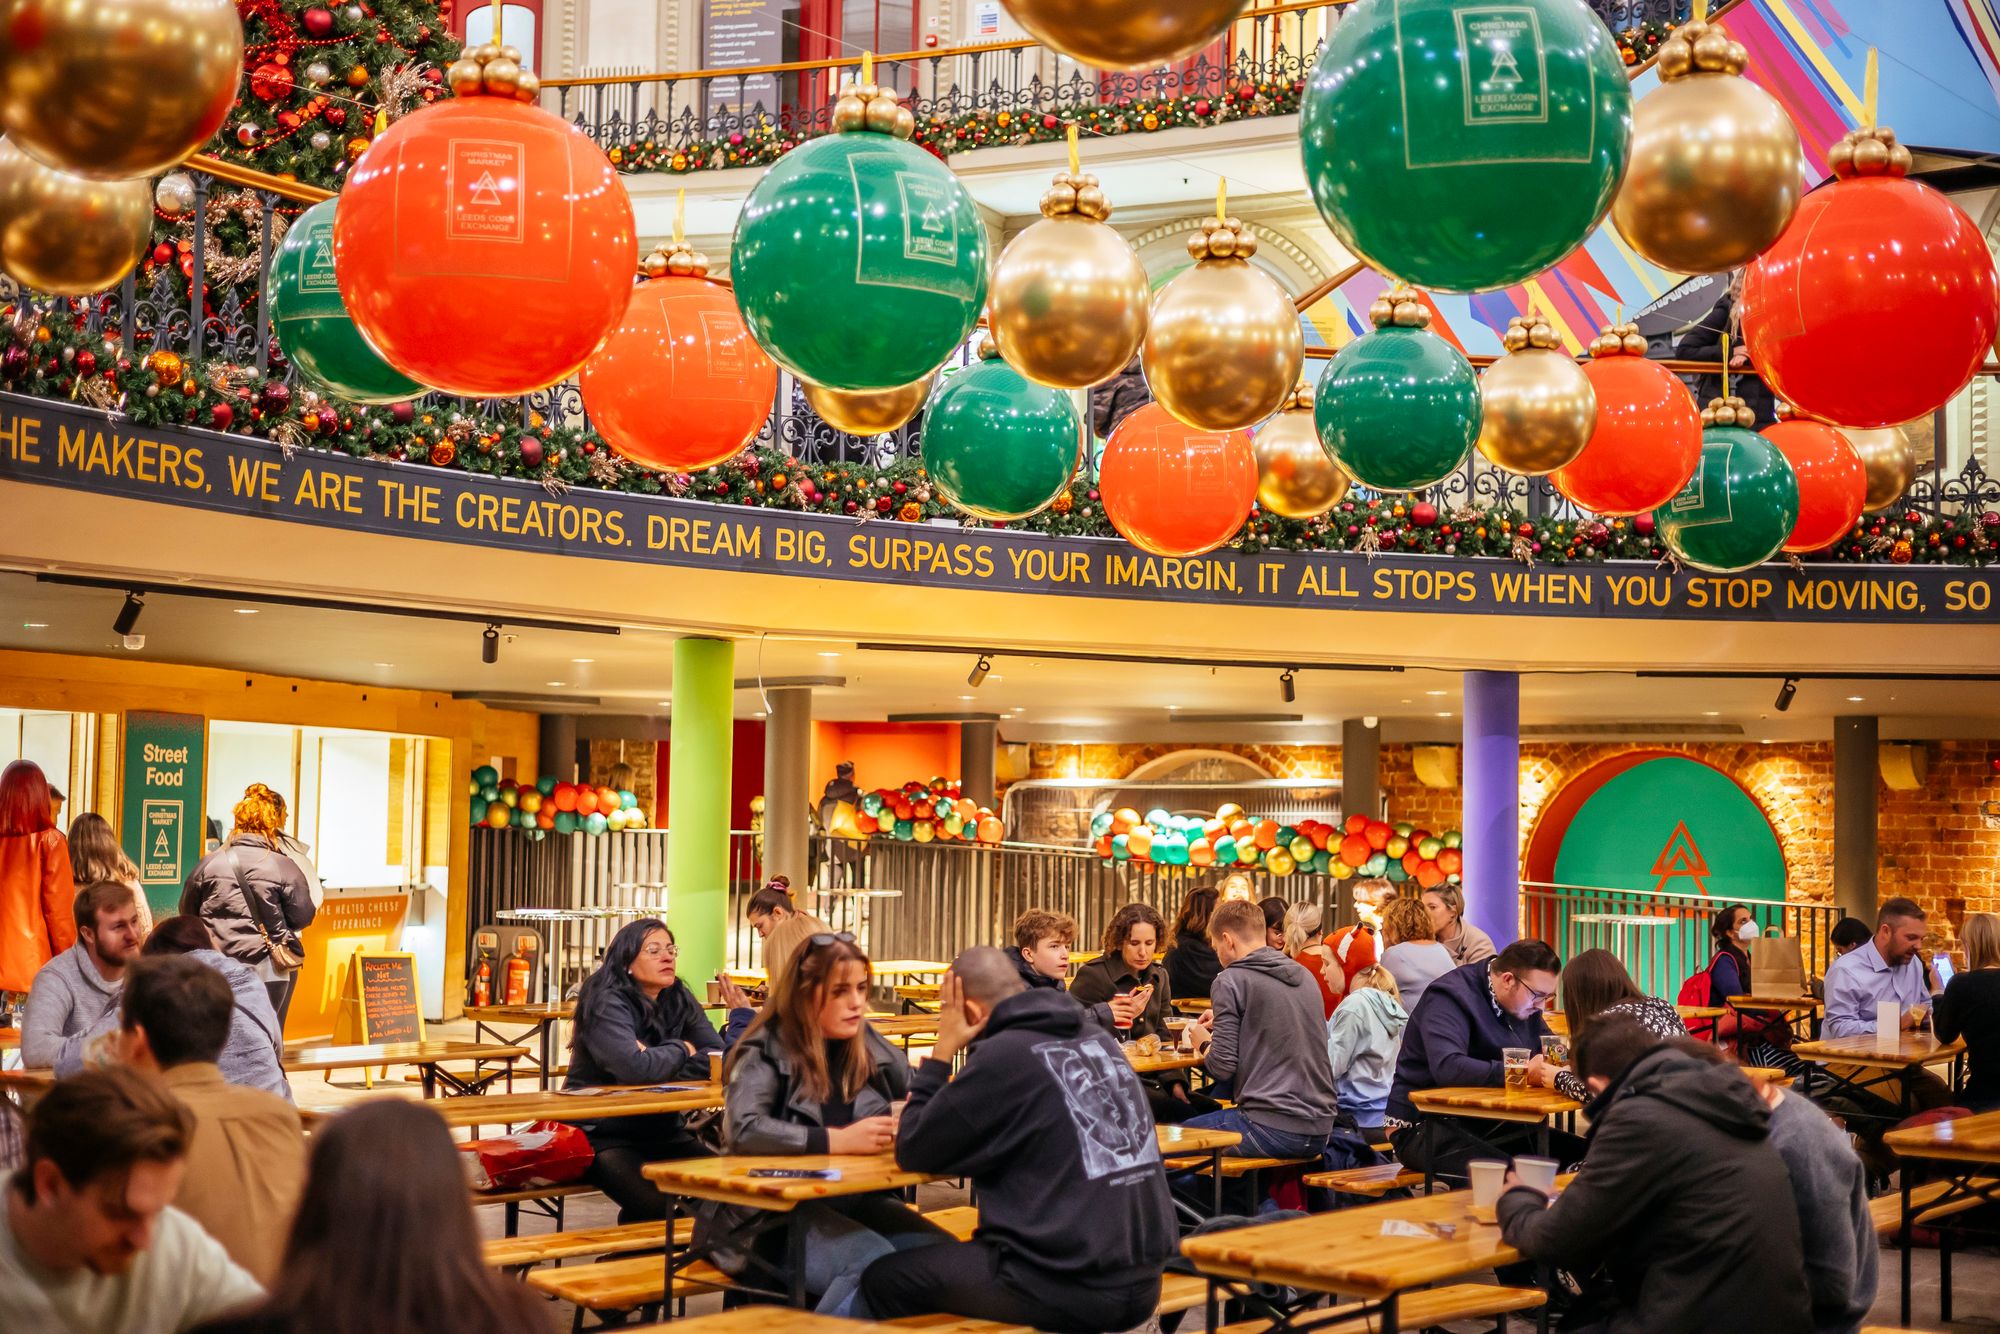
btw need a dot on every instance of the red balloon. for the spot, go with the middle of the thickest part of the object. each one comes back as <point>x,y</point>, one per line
<point>1832,483</point>
<point>485,247</point>
<point>1876,305</point>
<point>1646,445</point>
<point>683,343</point>
<point>1173,490</point>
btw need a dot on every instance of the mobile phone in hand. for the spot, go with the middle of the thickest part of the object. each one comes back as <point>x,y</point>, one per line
<point>796,1173</point>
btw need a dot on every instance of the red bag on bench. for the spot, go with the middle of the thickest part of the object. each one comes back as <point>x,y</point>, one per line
<point>547,1153</point>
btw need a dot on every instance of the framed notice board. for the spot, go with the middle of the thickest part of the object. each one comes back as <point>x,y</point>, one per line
<point>386,997</point>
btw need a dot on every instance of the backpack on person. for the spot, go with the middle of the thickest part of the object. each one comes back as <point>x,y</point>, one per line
<point>1698,993</point>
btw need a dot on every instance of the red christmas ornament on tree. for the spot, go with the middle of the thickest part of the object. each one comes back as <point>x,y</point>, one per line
<point>1878,303</point>
<point>484,246</point>
<point>272,81</point>
<point>1173,490</point>
<point>682,341</point>
<point>1832,482</point>
<point>1648,437</point>
<point>318,21</point>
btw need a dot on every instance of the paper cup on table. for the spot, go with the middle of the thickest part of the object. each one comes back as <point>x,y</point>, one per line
<point>1888,1025</point>
<point>1487,1174</point>
<point>1537,1172</point>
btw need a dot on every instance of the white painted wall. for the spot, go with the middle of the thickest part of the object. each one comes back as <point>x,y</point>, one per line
<point>240,754</point>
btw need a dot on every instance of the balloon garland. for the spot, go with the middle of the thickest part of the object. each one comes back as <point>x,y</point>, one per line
<point>311,323</point>
<point>1741,504</point>
<point>919,813</point>
<point>1647,441</point>
<point>997,445</point>
<point>1537,407</point>
<point>1295,478</point>
<point>547,806</point>
<point>1399,408</point>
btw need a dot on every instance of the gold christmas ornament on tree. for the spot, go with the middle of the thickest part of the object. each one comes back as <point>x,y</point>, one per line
<point>1887,461</point>
<point>1539,407</point>
<point>1715,170</point>
<point>113,89</point>
<point>1125,34</point>
<point>1069,300</point>
<point>867,411</point>
<point>1224,348</point>
<point>66,235</point>
<point>1295,478</point>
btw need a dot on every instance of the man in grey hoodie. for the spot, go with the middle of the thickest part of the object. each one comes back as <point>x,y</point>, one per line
<point>78,987</point>
<point>1267,1035</point>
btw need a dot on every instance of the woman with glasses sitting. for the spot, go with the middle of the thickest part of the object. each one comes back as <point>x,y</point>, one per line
<point>812,1077</point>
<point>638,1023</point>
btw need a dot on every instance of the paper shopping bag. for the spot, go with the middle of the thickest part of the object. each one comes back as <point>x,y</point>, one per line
<point>1777,967</point>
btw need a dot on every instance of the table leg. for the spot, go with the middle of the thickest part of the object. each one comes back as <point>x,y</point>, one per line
<point>1215,1175</point>
<point>1430,1162</point>
<point>795,1259</point>
<point>429,1072</point>
<point>1944,1271</point>
<point>673,1215</point>
<point>1542,1138</point>
<point>1904,1241</point>
<point>1390,1324</point>
<point>1213,1323</point>
<point>548,1027</point>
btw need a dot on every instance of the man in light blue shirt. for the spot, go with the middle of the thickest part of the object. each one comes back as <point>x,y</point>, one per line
<point>1885,969</point>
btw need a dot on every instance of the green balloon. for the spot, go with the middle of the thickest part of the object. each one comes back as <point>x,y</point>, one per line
<point>859,262</point>
<point>311,323</point>
<point>999,446</point>
<point>1466,145</point>
<point>1737,509</point>
<point>1398,409</point>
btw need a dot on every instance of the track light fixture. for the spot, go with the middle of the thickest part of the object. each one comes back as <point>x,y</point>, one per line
<point>489,649</point>
<point>1786,692</point>
<point>128,615</point>
<point>1287,686</point>
<point>979,670</point>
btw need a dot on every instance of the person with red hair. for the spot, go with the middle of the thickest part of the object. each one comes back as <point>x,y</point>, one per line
<point>36,888</point>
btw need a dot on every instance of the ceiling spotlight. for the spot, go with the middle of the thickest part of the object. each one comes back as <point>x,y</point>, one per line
<point>1287,686</point>
<point>489,648</point>
<point>128,615</point>
<point>979,670</point>
<point>1786,692</point>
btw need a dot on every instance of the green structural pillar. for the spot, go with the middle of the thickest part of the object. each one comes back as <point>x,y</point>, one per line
<point>698,805</point>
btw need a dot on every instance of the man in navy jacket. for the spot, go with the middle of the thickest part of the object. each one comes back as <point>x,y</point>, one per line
<point>1454,1039</point>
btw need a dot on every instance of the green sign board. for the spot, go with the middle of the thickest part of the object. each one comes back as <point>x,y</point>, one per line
<point>161,814</point>
<point>1674,826</point>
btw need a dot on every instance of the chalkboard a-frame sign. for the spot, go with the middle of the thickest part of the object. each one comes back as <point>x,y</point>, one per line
<point>385,984</point>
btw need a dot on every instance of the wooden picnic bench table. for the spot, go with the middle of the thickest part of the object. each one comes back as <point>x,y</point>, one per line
<point>426,1056</point>
<point>1167,1058</point>
<point>542,1022</point>
<point>1897,1060</point>
<point>1958,1151</point>
<point>554,1105</point>
<point>1529,1106</point>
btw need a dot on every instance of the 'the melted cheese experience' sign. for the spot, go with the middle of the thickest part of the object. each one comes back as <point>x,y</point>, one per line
<point>57,444</point>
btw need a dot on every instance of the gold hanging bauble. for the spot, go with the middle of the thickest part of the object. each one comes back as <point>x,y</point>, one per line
<point>65,235</point>
<point>1069,299</point>
<point>1538,408</point>
<point>1887,460</point>
<point>1715,168</point>
<point>866,411</point>
<point>1125,34</point>
<point>1295,477</point>
<point>1224,347</point>
<point>113,89</point>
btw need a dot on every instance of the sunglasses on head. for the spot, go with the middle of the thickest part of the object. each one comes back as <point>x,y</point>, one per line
<point>819,940</point>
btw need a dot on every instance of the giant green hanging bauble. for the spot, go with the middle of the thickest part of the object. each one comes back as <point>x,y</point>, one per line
<point>311,322</point>
<point>859,260</point>
<point>1462,144</point>
<point>1399,408</point>
<point>1738,508</point>
<point>999,446</point>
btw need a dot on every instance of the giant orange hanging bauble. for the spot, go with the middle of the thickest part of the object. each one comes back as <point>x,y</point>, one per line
<point>484,246</point>
<point>1173,490</point>
<point>1648,437</point>
<point>1877,304</point>
<point>681,385</point>
<point>1832,482</point>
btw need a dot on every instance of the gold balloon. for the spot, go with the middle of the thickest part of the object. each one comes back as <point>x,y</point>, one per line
<point>65,235</point>
<point>1125,34</point>
<point>1538,411</point>
<point>1887,461</point>
<point>1224,348</point>
<point>1715,171</point>
<point>116,88</point>
<point>1069,299</point>
<point>1295,477</point>
<point>866,411</point>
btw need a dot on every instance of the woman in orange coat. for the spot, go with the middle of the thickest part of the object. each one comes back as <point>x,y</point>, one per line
<point>35,885</point>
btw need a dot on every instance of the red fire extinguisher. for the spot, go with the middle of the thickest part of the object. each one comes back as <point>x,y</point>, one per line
<point>482,980</point>
<point>518,969</point>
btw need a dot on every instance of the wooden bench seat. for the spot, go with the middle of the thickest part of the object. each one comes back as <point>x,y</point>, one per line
<point>621,1285</point>
<point>1236,1167</point>
<point>1374,1182</point>
<point>613,1239</point>
<point>1422,1308</point>
<point>531,1193</point>
<point>961,1221</point>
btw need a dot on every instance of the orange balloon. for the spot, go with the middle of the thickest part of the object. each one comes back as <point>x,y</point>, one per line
<point>1172,490</point>
<point>1647,441</point>
<point>1267,834</point>
<point>586,800</point>
<point>684,343</point>
<point>1833,485</point>
<point>990,829</point>
<point>485,247</point>
<point>1201,852</point>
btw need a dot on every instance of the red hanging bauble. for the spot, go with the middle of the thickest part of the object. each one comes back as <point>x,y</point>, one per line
<point>1878,303</point>
<point>1647,441</point>
<point>1832,482</point>
<point>272,81</point>
<point>318,21</point>
<point>484,246</point>
<point>1173,490</point>
<point>683,341</point>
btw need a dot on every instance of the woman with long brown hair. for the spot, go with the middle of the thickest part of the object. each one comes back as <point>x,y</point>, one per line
<point>1191,962</point>
<point>1595,987</point>
<point>94,855</point>
<point>811,1076</point>
<point>36,886</point>
<point>384,1241</point>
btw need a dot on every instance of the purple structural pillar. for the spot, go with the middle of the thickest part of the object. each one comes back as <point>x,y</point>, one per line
<point>1492,823</point>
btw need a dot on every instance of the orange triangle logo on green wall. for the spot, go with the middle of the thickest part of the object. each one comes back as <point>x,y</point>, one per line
<point>1681,857</point>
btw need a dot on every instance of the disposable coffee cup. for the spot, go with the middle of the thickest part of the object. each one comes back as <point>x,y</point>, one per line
<point>1537,1172</point>
<point>1487,1174</point>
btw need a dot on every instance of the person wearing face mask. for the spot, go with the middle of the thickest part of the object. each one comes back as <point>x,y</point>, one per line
<point>811,1076</point>
<point>1128,967</point>
<point>1761,1039</point>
